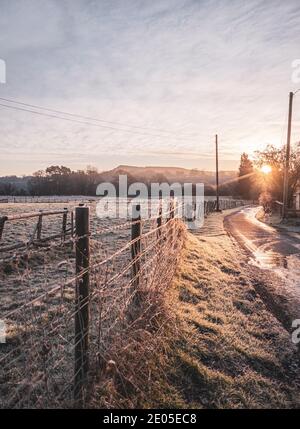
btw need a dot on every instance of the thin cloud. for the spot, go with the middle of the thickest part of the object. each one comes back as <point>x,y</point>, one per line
<point>192,67</point>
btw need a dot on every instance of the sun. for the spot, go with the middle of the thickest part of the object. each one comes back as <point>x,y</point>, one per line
<point>266,169</point>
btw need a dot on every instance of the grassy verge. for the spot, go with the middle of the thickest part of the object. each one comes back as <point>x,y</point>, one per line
<point>215,343</point>
<point>232,352</point>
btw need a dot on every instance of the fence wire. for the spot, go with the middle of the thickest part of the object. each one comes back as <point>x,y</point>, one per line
<point>37,360</point>
<point>127,277</point>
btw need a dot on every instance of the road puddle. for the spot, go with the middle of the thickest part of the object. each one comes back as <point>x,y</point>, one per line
<point>270,248</point>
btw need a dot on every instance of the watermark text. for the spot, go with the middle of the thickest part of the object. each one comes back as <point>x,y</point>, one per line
<point>184,201</point>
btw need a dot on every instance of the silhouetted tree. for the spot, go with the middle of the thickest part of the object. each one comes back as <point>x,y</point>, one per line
<point>276,159</point>
<point>244,186</point>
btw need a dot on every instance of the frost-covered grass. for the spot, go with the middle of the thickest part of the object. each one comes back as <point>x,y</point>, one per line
<point>215,344</point>
<point>232,352</point>
<point>220,346</point>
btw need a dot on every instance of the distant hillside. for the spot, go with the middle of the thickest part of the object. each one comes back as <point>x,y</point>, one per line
<point>60,180</point>
<point>170,174</point>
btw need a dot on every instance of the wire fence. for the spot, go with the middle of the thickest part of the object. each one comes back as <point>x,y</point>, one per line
<point>46,200</point>
<point>71,310</point>
<point>38,223</point>
<point>210,206</point>
<point>61,333</point>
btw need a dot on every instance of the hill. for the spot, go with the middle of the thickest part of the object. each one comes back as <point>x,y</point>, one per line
<point>170,174</point>
<point>60,180</point>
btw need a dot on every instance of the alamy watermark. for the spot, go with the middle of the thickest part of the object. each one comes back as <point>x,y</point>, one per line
<point>2,71</point>
<point>296,332</point>
<point>184,201</point>
<point>3,331</point>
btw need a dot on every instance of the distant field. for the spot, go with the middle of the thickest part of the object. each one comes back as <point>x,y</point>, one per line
<point>27,274</point>
<point>46,199</point>
<point>21,230</point>
<point>39,353</point>
<point>66,198</point>
<point>52,261</point>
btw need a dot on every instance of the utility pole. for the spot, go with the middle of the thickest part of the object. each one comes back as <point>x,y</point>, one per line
<point>287,159</point>
<point>217,175</point>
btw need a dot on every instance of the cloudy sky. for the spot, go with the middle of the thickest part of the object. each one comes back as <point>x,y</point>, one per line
<point>165,75</point>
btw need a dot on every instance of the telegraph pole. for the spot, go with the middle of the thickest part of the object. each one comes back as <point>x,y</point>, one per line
<point>287,159</point>
<point>217,174</point>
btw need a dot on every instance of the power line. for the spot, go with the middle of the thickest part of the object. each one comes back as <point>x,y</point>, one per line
<point>88,123</point>
<point>184,153</point>
<point>89,118</point>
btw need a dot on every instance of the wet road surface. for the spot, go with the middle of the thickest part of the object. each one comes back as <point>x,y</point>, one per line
<point>268,248</point>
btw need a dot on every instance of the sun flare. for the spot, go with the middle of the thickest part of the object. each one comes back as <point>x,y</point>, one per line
<point>266,169</point>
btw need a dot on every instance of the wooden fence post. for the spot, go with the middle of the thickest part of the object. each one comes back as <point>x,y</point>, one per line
<point>172,209</point>
<point>72,223</point>
<point>81,301</point>
<point>2,223</point>
<point>136,231</point>
<point>64,223</point>
<point>172,215</point>
<point>39,227</point>
<point>159,219</point>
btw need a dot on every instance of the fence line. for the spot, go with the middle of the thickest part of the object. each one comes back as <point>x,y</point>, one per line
<point>46,200</point>
<point>66,330</point>
<point>100,299</point>
<point>36,235</point>
<point>210,206</point>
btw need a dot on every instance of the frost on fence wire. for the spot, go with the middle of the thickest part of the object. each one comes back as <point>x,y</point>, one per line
<point>37,304</point>
<point>37,360</point>
<point>188,198</point>
<point>190,210</point>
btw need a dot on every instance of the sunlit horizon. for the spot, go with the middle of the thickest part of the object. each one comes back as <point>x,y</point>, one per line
<point>159,80</point>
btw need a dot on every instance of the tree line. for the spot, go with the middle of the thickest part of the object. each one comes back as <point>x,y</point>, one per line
<point>250,183</point>
<point>61,180</point>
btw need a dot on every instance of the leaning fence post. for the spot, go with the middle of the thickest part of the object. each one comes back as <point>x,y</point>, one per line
<point>136,245</point>
<point>81,301</point>
<point>64,223</point>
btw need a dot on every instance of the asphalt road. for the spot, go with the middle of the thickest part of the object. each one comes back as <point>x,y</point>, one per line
<point>268,248</point>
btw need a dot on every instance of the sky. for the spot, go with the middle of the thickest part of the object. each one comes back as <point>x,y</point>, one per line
<point>165,75</point>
